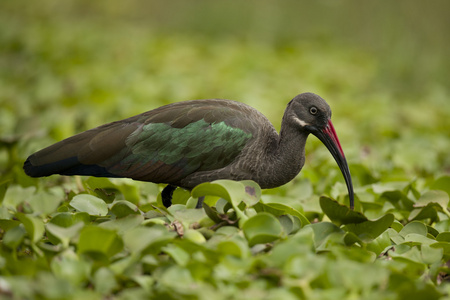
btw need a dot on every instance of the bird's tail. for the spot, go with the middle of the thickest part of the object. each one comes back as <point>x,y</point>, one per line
<point>59,158</point>
<point>82,154</point>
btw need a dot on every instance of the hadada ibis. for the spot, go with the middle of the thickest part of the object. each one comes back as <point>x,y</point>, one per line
<point>187,143</point>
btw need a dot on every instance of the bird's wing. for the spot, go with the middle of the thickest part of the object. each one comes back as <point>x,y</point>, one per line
<point>162,145</point>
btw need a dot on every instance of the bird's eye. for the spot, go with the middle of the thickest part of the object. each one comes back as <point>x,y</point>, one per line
<point>313,110</point>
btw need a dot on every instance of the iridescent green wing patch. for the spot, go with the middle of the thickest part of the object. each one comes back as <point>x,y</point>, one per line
<point>156,149</point>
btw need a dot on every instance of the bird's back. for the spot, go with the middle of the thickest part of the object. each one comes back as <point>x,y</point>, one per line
<point>163,145</point>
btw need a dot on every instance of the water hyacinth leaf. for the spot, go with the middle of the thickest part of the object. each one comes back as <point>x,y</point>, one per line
<point>69,267</point>
<point>411,256</point>
<point>180,196</point>
<point>128,188</point>
<point>45,202</point>
<point>432,231</point>
<point>191,202</point>
<point>253,192</point>
<point>443,237</point>
<point>414,227</point>
<point>445,246</point>
<point>93,183</point>
<point>414,239</point>
<point>395,236</point>
<point>212,213</point>
<point>397,226</point>
<point>104,281</point>
<point>380,188</point>
<point>123,208</point>
<point>66,219</point>
<point>180,256</point>
<point>33,225</point>
<point>14,237</point>
<point>16,195</point>
<point>140,238</point>
<point>369,230</point>
<point>291,224</point>
<point>442,183</point>
<point>57,234</point>
<point>262,228</point>
<point>188,216</point>
<point>340,214</point>
<point>124,224</point>
<point>322,231</point>
<point>350,238</point>
<point>232,191</point>
<point>194,236</point>
<point>380,244</point>
<point>433,196</point>
<point>8,224</point>
<point>279,209</point>
<point>90,204</point>
<point>234,246</point>
<point>431,255</point>
<point>430,211</point>
<point>94,239</point>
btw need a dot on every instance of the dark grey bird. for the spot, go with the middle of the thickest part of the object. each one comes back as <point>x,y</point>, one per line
<point>187,143</point>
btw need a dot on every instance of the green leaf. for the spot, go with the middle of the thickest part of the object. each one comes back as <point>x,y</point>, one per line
<point>323,231</point>
<point>442,183</point>
<point>90,204</point>
<point>430,211</point>
<point>434,196</point>
<point>340,214</point>
<point>140,238</point>
<point>66,219</point>
<point>71,268</point>
<point>34,226</point>
<point>369,230</point>
<point>123,208</point>
<point>94,239</point>
<point>187,216</point>
<point>262,228</point>
<point>234,246</point>
<point>279,209</point>
<point>58,234</point>
<point>104,281</point>
<point>124,224</point>
<point>180,256</point>
<point>443,237</point>
<point>180,196</point>
<point>414,227</point>
<point>14,237</point>
<point>45,202</point>
<point>380,244</point>
<point>253,192</point>
<point>418,239</point>
<point>8,224</point>
<point>291,224</point>
<point>232,191</point>
<point>194,236</point>
<point>431,255</point>
<point>16,195</point>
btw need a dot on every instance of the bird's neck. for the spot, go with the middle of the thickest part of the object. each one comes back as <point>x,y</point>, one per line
<point>284,157</point>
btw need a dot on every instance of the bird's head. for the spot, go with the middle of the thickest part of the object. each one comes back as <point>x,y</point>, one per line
<point>309,112</point>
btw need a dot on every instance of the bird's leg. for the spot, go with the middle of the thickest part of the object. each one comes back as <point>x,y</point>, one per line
<point>200,202</point>
<point>166,195</point>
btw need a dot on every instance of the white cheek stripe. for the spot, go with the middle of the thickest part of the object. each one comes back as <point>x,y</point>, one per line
<point>300,122</point>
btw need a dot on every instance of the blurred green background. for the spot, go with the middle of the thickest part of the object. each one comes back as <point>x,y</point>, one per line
<point>67,66</point>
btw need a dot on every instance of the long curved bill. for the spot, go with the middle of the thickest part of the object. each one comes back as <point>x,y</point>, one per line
<point>329,137</point>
